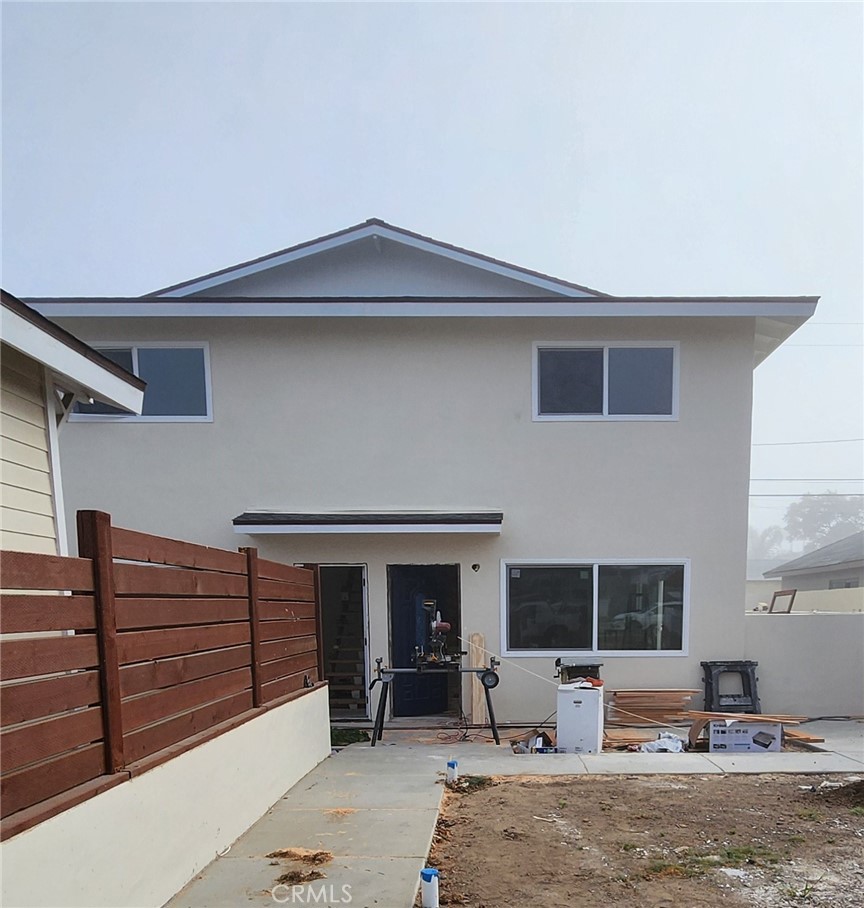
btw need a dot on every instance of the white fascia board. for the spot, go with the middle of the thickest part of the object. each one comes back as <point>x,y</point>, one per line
<point>68,365</point>
<point>382,308</point>
<point>367,528</point>
<point>371,230</point>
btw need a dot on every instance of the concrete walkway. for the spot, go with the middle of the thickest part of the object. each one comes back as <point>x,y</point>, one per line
<point>375,809</point>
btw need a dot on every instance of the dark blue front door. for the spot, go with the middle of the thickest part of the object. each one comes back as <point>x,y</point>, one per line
<point>410,585</point>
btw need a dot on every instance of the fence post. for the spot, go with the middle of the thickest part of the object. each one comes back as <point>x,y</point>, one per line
<point>94,542</point>
<point>254,621</point>
<point>319,623</point>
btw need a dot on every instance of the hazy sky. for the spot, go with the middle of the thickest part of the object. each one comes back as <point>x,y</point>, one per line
<point>706,148</point>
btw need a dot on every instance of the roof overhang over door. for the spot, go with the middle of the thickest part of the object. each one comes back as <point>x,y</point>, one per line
<point>256,523</point>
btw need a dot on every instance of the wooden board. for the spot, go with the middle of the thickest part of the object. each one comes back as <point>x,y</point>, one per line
<point>477,659</point>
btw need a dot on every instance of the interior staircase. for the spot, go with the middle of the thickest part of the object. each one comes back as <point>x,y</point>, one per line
<point>345,656</point>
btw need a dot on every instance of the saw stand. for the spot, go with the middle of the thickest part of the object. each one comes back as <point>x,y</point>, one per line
<point>487,674</point>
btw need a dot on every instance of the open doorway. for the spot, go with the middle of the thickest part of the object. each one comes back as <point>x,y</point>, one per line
<point>409,586</point>
<point>343,618</point>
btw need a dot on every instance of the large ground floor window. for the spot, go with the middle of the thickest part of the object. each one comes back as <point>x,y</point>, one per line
<point>595,607</point>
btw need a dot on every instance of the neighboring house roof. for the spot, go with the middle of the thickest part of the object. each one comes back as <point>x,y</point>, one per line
<point>79,368</point>
<point>373,227</point>
<point>848,552</point>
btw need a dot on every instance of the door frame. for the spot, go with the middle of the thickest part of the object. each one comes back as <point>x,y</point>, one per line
<point>367,665</point>
<point>391,706</point>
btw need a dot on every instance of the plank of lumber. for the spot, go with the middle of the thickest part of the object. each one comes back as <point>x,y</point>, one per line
<point>747,717</point>
<point>477,659</point>
<point>795,734</point>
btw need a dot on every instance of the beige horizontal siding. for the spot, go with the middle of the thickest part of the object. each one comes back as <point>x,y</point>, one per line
<point>12,404</point>
<point>26,497</point>
<point>14,474</point>
<point>26,522</point>
<point>19,499</point>
<point>20,542</point>
<point>10,358</point>
<point>24,455</point>
<point>18,430</point>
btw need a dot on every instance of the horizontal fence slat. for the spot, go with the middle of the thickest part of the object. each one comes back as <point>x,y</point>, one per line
<point>272,611</point>
<point>287,685</point>
<point>36,699</point>
<point>278,589</point>
<point>161,704</point>
<point>280,649</point>
<point>144,613</point>
<point>275,570</point>
<point>148,580</point>
<point>138,646</point>
<point>131,545</point>
<point>280,668</point>
<point>30,571</point>
<point>50,737</point>
<point>153,738</point>
<point>136,679</point>
<point>274,630</point>
<point>33,784</point>
<point>20,614</point>
<point>25,658</point>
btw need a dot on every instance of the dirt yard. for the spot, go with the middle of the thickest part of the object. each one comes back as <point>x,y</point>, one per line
<point>652,842</point>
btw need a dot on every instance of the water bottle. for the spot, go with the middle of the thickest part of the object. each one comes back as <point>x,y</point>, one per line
<point>429,887</point>
<point>452,770</point>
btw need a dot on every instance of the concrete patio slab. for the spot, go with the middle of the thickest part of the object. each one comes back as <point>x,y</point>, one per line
<point>648,764</point>
<point>370,832</point>
<point>841,736</point>
<point>384,790</point>
<point>362,882</point>
<point>785,762</point>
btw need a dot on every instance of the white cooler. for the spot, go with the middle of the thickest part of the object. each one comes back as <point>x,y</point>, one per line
<point>580,719</point>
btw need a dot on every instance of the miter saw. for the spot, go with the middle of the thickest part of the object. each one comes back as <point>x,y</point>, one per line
<point>431,656</point>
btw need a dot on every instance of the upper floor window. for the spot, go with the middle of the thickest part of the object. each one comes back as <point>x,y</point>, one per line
<point>178,383</point>
<point>605,381</point>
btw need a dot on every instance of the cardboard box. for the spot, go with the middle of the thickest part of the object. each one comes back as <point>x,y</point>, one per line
<point>744,737</point>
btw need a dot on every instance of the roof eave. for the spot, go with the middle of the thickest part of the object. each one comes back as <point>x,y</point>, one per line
<point>74,365</point>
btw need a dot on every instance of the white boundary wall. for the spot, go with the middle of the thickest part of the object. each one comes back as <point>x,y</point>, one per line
<point>809,664</point>
<point>142,841</point>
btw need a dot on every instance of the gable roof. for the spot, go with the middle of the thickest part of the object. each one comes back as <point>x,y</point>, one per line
<point>375,227</point>
<point>77,366</point>
<point>848,551</point>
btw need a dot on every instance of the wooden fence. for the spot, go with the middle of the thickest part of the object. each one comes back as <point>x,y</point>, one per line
<point>144,647</point>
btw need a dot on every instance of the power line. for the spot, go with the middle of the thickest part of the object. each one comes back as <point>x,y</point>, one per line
<point>824,441</point>
<point>790,479</point>
<point>807,495</point>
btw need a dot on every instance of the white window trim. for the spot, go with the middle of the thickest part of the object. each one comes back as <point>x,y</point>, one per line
<point>537,416</point>
<point>595,564</point>
<point>135,346</point>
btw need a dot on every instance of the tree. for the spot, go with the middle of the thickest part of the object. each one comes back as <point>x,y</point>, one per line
<point>819,520</point>
<point>764,544</point>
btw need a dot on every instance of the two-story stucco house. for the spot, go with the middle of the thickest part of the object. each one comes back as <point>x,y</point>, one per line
<point>563,471</point>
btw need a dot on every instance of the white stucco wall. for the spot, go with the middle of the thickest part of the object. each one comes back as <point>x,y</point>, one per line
<point>809,665</point>
<point>137,844</point>
<point>436,414</point>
